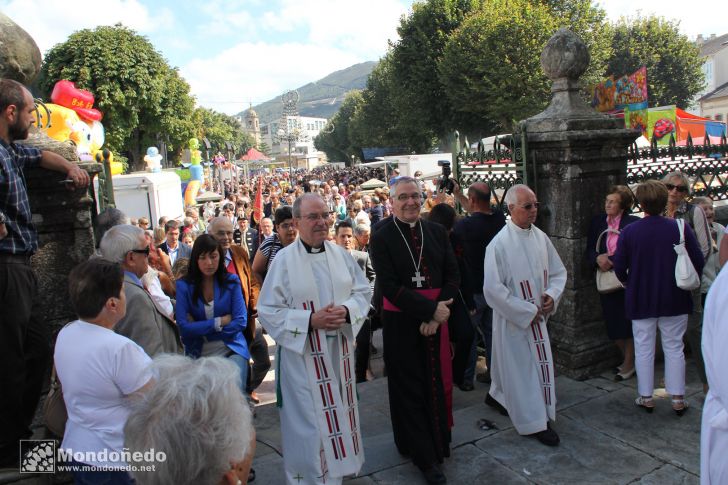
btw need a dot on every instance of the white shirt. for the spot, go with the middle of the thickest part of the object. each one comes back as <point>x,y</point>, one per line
<point>212,347</point>
<point>363,218</point>
<point>98,369</point>
<point>151,282</point>
<point>173,253</point>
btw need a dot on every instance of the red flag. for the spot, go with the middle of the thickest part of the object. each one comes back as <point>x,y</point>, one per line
<point>258,204</point>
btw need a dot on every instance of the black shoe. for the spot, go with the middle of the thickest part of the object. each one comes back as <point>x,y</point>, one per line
<point>433,475</point>
<point>495,405</point>
<point>483,377</point>
<point>466,386</point>
<point>547,436</point>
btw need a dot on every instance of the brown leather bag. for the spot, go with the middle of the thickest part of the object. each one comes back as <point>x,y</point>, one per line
<point>54,407</point>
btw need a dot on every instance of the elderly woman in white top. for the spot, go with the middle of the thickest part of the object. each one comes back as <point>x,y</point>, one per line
<point>99,370</point>
<point>198,416</point>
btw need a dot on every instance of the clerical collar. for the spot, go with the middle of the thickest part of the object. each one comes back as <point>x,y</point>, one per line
<point>313,250</point>
<point>522,230</point>
<point>409,224</point>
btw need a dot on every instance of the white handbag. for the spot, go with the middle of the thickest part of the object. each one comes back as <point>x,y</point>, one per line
<point>685,275</point>
<point>607,281</point>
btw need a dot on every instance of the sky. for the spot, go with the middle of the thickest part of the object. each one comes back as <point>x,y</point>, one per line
<point>237,52</point>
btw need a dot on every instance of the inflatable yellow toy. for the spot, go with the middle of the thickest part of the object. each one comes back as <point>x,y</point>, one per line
<point>194,187</point>
<point>102,155</point>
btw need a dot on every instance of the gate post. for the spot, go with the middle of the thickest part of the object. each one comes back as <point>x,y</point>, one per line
<point>575,154</point>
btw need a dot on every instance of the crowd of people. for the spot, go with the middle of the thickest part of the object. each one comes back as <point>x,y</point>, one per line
<point>170,342</point>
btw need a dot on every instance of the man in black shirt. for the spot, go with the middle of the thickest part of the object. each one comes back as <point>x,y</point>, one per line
<point>476,232</point>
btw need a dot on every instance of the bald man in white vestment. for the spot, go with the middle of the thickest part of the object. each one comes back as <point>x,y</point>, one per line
<point>523,282</point>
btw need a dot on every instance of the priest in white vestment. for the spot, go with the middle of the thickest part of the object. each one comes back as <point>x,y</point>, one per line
<point>524,280</point>
<point>714,430</point>
<point>313,302</point>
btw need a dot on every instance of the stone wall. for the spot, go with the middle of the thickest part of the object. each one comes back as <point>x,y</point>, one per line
<point>574,155</point>
<point>63,219</point>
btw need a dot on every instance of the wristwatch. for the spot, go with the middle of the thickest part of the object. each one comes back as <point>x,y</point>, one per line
<point>2,218</point>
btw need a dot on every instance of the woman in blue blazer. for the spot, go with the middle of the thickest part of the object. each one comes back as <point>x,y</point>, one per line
<point>210,309</point>
<point>615,216</point>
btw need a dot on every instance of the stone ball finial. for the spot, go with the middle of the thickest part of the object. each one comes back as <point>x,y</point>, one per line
<point>565,56</point>
<point>20,57</point>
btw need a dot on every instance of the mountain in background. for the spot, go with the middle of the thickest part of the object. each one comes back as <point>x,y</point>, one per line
<point>320,99</point>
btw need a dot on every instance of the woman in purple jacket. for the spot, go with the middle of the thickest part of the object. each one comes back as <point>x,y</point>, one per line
<point>645,262</point>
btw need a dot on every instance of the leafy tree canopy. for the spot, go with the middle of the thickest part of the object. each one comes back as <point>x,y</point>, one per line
<point>674,65</point>
<point>423,110</point>
<point>143,99</point>
<point>491,83</point>
<point>337,143</point>
<point>219,128</point>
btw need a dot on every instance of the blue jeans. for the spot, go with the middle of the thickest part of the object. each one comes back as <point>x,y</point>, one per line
<point>483,323</point>
<point>242,363</point>
<point>100,477</point>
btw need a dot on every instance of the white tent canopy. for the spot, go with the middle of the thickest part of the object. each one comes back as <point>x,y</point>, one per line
<point>373,184</point>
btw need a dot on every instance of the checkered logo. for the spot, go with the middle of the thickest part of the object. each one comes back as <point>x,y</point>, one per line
<point>37,456</point>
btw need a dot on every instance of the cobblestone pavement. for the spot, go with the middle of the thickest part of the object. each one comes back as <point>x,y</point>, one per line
<point>605,439</point>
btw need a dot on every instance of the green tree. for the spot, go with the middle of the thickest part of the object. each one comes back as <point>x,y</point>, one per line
<point>491,83</point>
<point>140,95</point>
<point>220,128</point>
<point>674,65</point>
<point>264,149</point>
<point>423,111</point>
<point>376,122</point>
<point>337,143</point>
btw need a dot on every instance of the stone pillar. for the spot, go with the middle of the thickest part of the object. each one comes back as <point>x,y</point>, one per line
<point>63,219</point>
<point>574,155</point>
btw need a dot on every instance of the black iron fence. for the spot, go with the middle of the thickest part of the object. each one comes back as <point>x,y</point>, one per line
<point>706,166</point>
<point>504,164</point>
<point>501,165</point>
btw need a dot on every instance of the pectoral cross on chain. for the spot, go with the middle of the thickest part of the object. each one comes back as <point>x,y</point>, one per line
<point>418,279</point>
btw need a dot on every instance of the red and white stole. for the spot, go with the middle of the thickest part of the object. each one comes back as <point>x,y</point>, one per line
<point>528,264</point>
<point>335,398</point>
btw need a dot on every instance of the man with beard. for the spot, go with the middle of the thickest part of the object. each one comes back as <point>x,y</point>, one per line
<point>418,276</point>
<point>24,340</point>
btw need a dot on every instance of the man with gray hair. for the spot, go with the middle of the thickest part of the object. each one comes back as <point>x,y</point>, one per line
<point>362,233</point>
<point>313,302</point>
<point>523,282</point>
<point>418,276</point>
<point>207,435</point>
<point>108,218</point>
<point>145,323</point>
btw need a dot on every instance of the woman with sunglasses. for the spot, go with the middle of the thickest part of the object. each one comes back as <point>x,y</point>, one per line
<point>678,189</point>
<point>645,263</point>
<point>210,309</point>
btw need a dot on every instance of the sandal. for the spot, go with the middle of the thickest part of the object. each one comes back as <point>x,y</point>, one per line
<point>647,403</point>
<point>680,406</point>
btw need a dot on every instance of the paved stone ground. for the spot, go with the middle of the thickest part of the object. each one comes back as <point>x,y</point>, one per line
<point>605,439</point>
